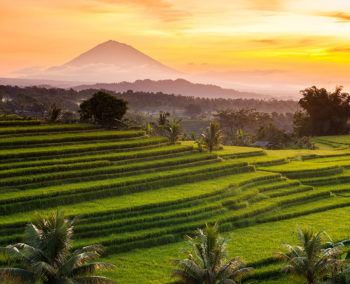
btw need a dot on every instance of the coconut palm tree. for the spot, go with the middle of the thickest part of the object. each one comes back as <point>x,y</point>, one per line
<point>174,131</point>
<point>205,262</point>
<point>309,261</point>
<point>212,137</point>
<point>163,118</point>
<point>46,255</point>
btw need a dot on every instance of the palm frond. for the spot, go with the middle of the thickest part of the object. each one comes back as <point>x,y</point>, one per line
<point>17,275</point>
<point>90,269</point>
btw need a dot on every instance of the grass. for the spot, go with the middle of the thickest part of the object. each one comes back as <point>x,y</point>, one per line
<point>139,197</point>
<point>109,156</point>
<point>47,128</point>
<point>57,150</point>
<point>12,123</point>
<point>70,137</point>
<point>74,170</point>
<point>147,199</point>
<point>294,167</point>
<point>252,244</point>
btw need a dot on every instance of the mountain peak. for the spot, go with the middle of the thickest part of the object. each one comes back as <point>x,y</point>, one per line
<point>112,61</point>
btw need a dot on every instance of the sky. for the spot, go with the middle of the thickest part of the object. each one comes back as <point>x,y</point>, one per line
<point>286,43</point>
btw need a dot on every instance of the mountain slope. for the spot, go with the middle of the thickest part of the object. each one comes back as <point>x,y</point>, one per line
<point>109,62</point>
<point>178,87</point>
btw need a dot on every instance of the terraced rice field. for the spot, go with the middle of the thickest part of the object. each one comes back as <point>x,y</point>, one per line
<point>139,195</point>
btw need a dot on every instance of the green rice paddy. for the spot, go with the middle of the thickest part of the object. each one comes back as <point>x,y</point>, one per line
<point>139,195</point>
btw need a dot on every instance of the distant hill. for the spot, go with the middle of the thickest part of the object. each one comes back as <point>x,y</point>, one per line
<point>110,61</point>
<point>178,87</point>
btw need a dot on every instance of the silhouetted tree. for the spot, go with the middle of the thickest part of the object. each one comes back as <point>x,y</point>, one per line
<point>244,119</point>
<point>193,110</point>
<point>163,118</point>
<point>326,113</point>
<point>103,108</point>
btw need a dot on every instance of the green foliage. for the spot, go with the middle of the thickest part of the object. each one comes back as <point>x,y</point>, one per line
<point>54,114</point>
<point>103,108</point>
<point>46,256</point>
<point>193,110</point>
<point>163,118</point>
<point>305,143</point>
<point>174,131</point>
<point>245,119</point>
<point>309,261</point>
<point>280,138</point>
<point>327,112</point>
<point>301,124</point>
<point>241,138</point>
<point>212,137</point>
<point>206,260</point>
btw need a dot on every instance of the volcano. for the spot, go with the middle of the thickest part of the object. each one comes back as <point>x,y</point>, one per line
<point>109,62</point>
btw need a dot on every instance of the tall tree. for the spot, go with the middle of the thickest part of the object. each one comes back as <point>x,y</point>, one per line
<point>212,136</point>
<point>273,134</point>
<point>193,110</point>
<point>206,260</point>
<point>309,260</point>
<point>174,131</point>
<point>46,257</point>
<point>328,112</point>
<point>163,118</point>
<point>103,108</point>
<point>55,113</point>
<point>245,119</point>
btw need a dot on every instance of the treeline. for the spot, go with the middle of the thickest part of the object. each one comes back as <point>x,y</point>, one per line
<point>148,102</point>
<point>36,98</point>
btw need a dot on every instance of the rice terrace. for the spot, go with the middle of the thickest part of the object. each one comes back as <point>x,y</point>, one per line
<point>139,195</point>
<point>175,142</point>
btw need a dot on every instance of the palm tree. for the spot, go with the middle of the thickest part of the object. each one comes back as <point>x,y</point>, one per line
<point>174,130</point>
<point>55,113</point>
<point>46,256</point>
<point>205,263</point>
<point>163,118</point>
<point>212,137</point>
<point>309,260</point>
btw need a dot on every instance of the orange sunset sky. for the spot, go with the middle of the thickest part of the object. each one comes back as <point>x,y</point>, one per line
<point>301,42</point>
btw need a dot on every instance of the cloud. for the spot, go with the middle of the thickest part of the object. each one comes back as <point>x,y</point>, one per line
<point>270,5</point>
<point>29,70</point>
<point>269,41</point>
<point>339,49</point>
<point>342,17</point>
<point>163,10</point>
<point>191,63</point>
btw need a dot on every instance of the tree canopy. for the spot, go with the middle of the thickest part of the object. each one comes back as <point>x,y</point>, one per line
<point>245,119</point>
<point>46,255</point>
<point>103,108</point>
<point>193,110</point>
<point>326,112</point>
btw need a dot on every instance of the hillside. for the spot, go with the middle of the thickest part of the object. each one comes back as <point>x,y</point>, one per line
<point>177,87</point>
<point>139,195</point>
<point>110,61</point>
